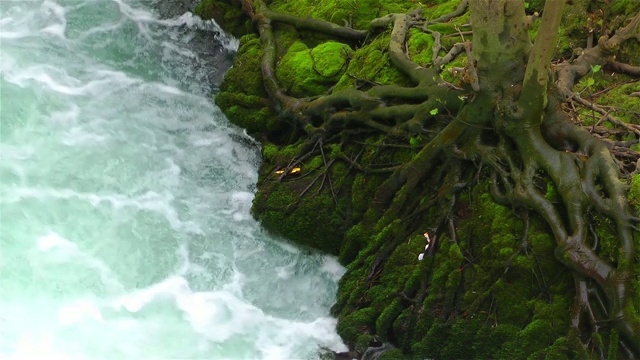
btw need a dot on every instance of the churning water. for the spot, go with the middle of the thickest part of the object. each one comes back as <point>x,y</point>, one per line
<point>125,230</point>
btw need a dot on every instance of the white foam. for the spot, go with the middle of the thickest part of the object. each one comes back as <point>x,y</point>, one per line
<point>102,82</point>
<point>81,310</point>
<point>183,255</point>
<point>51,9</point>
<point>236,284</point>
<point>331,266</point>
<point>167,289</point>
<point>66,117</point>
<point>219,315</point>
<point>151,200</point>
<point>80,136</point>
<point>240,205</point>
<point>284,272</point>
<point>35,346</point>
<point>62,250</point>
<point>54,241</point>
<point>190,20</point>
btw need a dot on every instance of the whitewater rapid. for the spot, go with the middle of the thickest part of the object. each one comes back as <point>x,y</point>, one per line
<point>125,195</point>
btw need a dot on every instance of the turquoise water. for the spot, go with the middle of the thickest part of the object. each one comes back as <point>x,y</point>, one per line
<point>125,230</point>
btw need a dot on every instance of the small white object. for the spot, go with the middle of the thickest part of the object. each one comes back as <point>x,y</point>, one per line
<point>421,256</point>
<point>426,247</point>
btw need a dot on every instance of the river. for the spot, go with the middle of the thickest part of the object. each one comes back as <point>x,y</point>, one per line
<point>125,195</point>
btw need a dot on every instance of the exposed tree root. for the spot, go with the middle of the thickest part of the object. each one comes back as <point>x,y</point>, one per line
<point>513,125</point>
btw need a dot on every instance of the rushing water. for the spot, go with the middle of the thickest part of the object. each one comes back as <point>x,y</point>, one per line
<point>125,230</point>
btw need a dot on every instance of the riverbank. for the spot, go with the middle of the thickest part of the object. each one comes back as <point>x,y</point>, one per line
<point>486,276</point>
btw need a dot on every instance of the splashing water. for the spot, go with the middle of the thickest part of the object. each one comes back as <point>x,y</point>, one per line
<point>125,230</point>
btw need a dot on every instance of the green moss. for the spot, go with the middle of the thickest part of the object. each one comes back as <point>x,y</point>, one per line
<point>552,193</point>
<point>386,318</point>
<point>392,354</point>
<point>432,343</point>
<point>489,340</point>
<point>612,354</point>
<point>372,63</point>
<point>308,72</point>
<point>624,8</point>
<point>363,342</point>
<point>269,151</point>
<point>462,332</point>
<point>356,13</point>
<point>459,62</point>
<point>619,96</point>
<point>248,111</point>
<point>245,75</point>
<point>608,244</point>
<point>350,326</point>
<point>486,290</point>
<point>315,163</point>
<point>229,16</point>
<point>419,45</point>
<point>573,31</point>
<point>242,96</point>
<point>354,240</point>
<point>529,342</point>
<point>285,213</point>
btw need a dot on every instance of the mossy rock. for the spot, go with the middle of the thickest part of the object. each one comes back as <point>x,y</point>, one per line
<point>242,96</point>
<point>352,325</point>
<point>372,63</point>
<point>282,210</point>
<point>308,72</point>
<point>356,13</point>
<point>226,14</point>
<point>246,74</point>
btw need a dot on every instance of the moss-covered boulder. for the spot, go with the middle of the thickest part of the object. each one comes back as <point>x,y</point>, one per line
<point>308,72</point>
<point>226,14</point>
<point>242,96</point>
